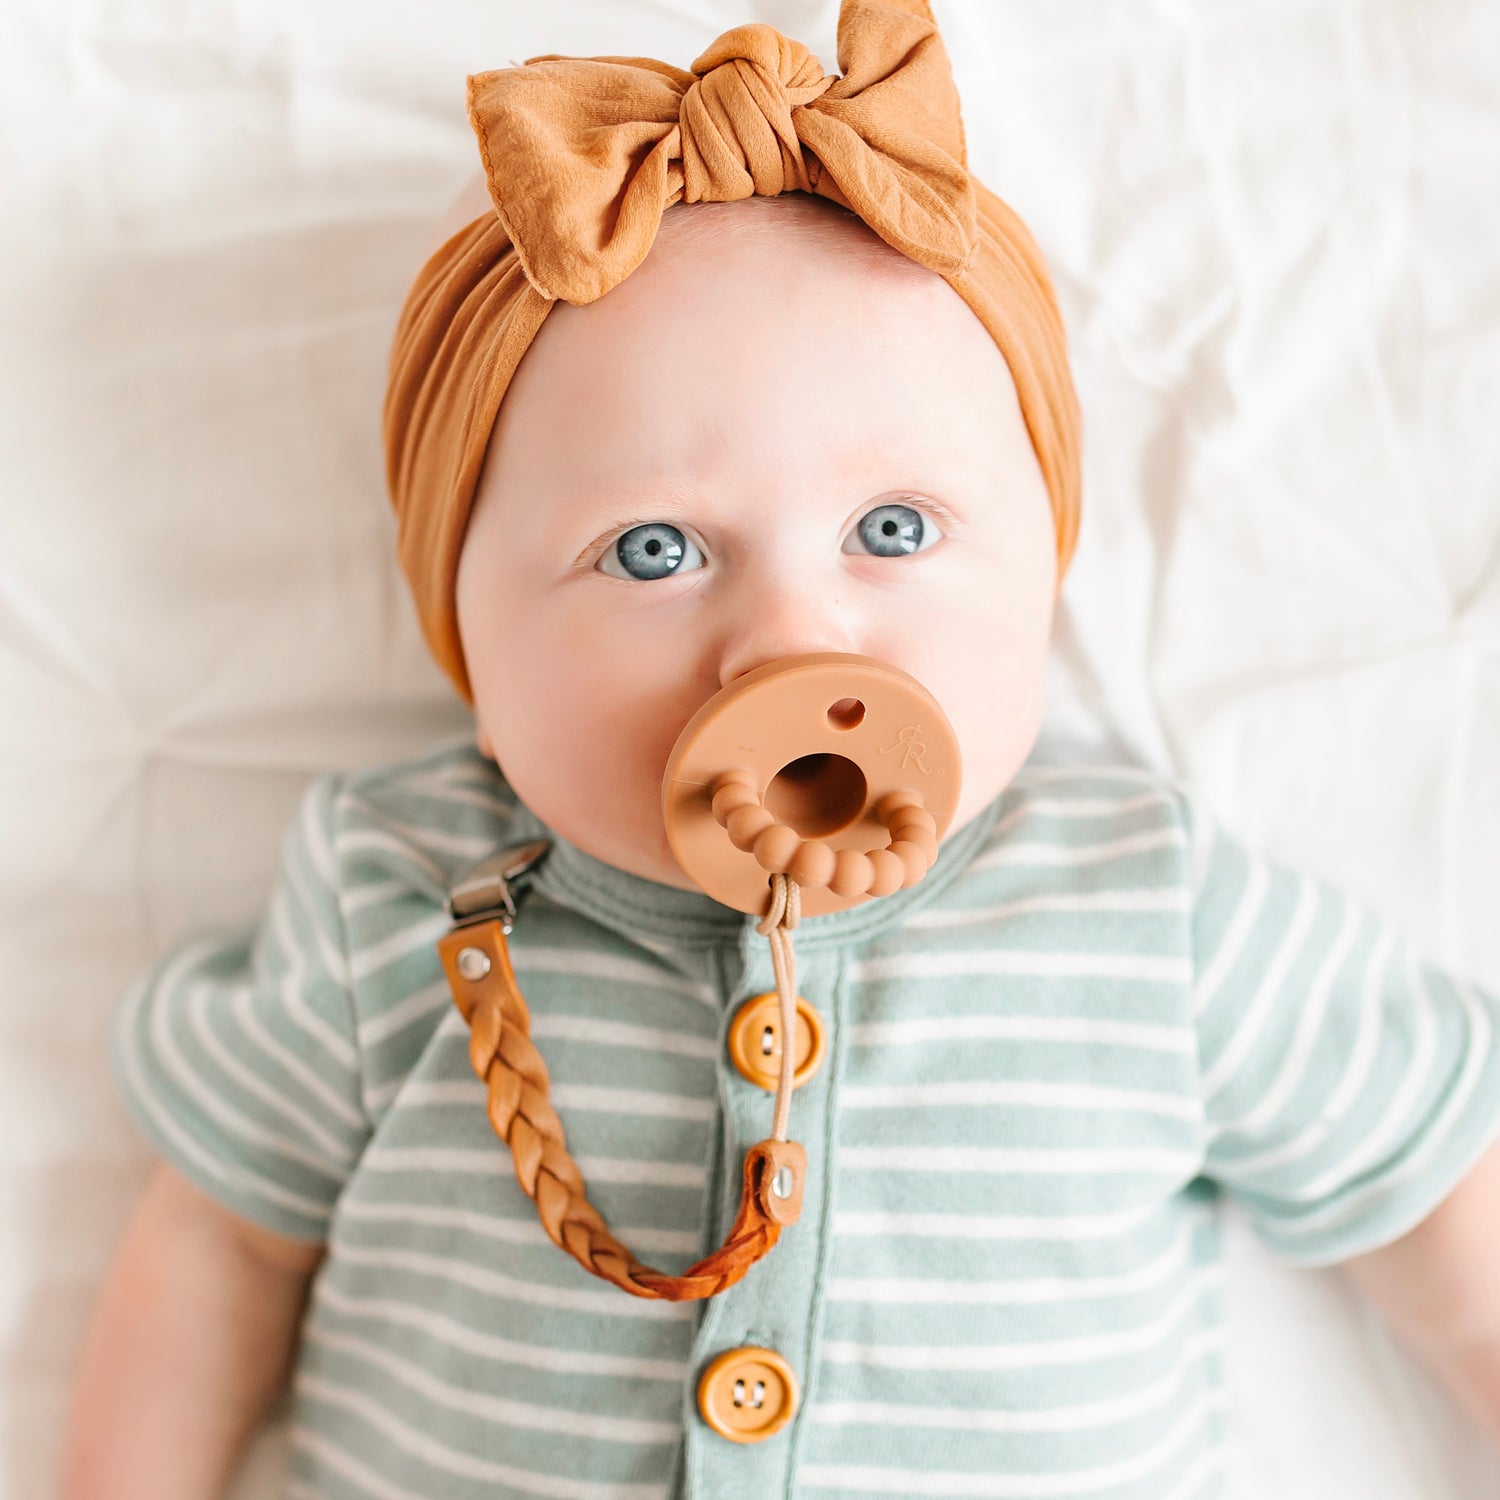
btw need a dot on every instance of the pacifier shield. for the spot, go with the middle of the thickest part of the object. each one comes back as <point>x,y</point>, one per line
<point>822,739</point>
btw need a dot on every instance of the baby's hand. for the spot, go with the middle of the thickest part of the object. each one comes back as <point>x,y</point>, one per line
<point>192,1337</point>
<point>1439,1289</point>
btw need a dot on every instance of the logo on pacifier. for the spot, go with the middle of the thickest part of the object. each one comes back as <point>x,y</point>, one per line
<point>911,747</point>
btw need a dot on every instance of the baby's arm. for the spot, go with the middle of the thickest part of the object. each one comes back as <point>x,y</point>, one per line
<point>1439,1289</point>
<point>191,1339</point>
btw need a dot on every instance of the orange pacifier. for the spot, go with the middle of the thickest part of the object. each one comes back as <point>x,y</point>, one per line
<point>836,770</point>
<point>808,785</point>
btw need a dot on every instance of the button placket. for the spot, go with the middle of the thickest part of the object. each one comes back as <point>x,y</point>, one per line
<point>767,1316</point>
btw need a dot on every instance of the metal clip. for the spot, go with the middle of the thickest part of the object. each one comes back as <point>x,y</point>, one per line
<point>492,887</point>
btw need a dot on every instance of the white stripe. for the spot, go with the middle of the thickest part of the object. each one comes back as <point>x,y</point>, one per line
<point>311,902</point>
<point>406,1013</point>
<point>1333,1216</point>
<point>1077,858</point>
<point>992,1226</point>
<point>622,1034</point>
<point>313,1081</point>
<point>926,1292</point>
<point>508,1231</point>
<point>339,1153</point>
<point>291,984</point>
<point>1090,771</point>
<point>375,892</point>
<point>1211,977</point>
<point>1185,1164</point>
<point>989,1358</point>
<point>230,1174</point>
<point>671,1174</point>
<point>644,1173</point>
<point>1076,807</point>
<point>1367,1039</point>
<point>420,836</point>
<point>370,840</point>
<point>1094,807</point>
<point>954,1094</point>
<point>1396,1123</point>
<point>1167,968</point>
<point>1087,1416</point>
<point>608,968</point>
<point>321,856</point>
<point>422,933</point>
<point>239,1127</point>
<point>920,1482</point>
<point>1088,1031</point>
<point>495,1411</point>
<point>1253,1017</point>
<point>457,1335</point>
<point>332,1457</point>
<point>471,1094</point>
<point>449,1030</point>
<point>1303,1050</point>
<point>439,1456</point>
<point>458,791</point>
<point>610,1301</point>
<point>1241,1170</point>
<point>1171,899</point>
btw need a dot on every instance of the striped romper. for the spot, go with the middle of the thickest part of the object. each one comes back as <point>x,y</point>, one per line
<point>1039,1068</point>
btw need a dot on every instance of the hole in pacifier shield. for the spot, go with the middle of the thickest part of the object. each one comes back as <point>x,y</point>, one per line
<point>847,713</point>
<point>817,794</point>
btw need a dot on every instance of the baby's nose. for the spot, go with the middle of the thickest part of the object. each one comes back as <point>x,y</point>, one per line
<point>774,625</point>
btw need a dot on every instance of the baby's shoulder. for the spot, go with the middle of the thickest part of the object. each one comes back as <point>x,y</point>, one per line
<point>423,820</point>
<point>1057,800</point>
<point>1089,826</point>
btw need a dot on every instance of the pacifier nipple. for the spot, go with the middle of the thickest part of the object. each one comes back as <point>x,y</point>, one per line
<point>836,770</point>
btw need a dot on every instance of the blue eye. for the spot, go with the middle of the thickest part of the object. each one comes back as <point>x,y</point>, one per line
<point>895,531</point>
<point>645,553</point>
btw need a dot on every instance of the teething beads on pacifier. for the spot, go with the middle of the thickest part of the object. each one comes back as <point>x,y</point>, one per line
<point>810,862</point>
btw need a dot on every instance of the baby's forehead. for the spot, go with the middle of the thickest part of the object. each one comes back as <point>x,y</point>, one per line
<point>774,338</point>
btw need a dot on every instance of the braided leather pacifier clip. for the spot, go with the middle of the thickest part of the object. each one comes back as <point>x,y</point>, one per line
<point>807,824</point>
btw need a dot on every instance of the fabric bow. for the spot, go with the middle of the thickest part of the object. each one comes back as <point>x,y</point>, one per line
<point>584,155</point>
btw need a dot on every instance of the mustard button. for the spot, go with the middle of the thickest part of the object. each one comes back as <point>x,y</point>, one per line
<point>755,1042</point>
<point>748,1394</point>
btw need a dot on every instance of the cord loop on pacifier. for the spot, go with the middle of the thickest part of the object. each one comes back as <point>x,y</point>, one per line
<point>777,925</point>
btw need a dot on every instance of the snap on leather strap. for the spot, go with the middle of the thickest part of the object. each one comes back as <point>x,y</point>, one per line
<point>476,960</point>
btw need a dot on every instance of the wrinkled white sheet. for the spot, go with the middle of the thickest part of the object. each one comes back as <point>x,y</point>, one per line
<point>1276,235</point>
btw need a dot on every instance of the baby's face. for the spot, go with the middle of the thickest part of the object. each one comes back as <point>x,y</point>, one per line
<point>779,439</point>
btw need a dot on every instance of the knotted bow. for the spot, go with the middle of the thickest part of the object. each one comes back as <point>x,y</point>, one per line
<point>583,155</point>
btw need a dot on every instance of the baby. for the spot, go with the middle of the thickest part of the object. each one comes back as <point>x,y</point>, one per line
<point>776,422</point>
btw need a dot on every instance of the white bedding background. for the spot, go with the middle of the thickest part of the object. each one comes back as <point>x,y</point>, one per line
<point>1276,234</point>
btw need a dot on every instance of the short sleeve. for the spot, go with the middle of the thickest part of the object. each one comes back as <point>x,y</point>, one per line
<point>237,1054</point>
<point>1348,1084</point>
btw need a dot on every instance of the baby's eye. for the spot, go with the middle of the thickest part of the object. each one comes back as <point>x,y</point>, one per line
<point>894,531</point>
<point>655,550</point>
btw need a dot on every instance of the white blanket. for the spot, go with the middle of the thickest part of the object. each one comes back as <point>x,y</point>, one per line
<point>1275,229</point>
